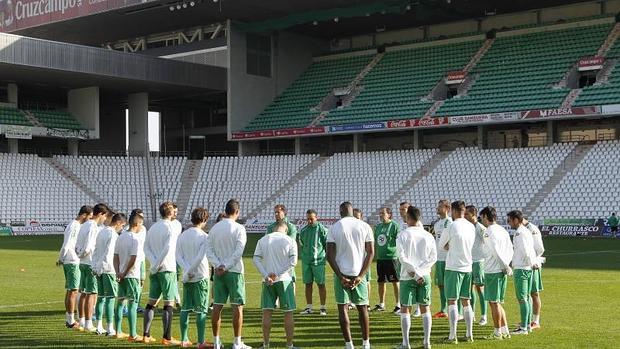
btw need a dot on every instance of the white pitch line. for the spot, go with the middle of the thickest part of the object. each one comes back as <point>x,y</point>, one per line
<point>28,304</point>
<point>583,252</point>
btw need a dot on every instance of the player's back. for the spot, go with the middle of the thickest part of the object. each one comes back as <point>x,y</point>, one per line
<point>350,236</point>
<point>224,238</point>
<point>462,235</point>
<point>276,249</point>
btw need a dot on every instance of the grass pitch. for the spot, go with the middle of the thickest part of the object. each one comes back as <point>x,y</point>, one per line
<point>580,304</point>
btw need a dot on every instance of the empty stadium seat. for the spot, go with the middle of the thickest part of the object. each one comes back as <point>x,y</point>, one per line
<point>56,119</point>
<point>12,116</point>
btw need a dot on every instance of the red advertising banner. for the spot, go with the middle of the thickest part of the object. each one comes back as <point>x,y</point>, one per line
<point>413,123</point>
<point>560,112</point>
<point>590,63</point>
<point>278,133</point>
<point>20,14</point>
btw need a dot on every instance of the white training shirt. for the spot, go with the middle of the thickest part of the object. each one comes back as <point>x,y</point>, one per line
<point>177,226</point>
<point>477,252</point>
<point>403,225</point>
<point>276,253</point>
<point>350,236</point>
<point>67,251</point>
<point>498,249</point>
<point>103,257</point>
<point>225,245</point>
<point>160,246</point>
<point>441,227</point>
<point>539,247</point>
<point>458,240</point>
<point>141,238</point>
<point>191,254</point>
<point>417,253</point>
<point>524,256</point>
<point>85,243</point>
<point>127,245</point>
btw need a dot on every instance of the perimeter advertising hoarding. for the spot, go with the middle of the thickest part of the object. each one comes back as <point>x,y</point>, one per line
<point>20,14</point>
<point>575,227</point>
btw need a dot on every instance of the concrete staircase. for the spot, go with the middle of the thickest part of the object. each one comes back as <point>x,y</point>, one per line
<point>478,56</point>
<point>28,115</point>
<point>433,109</point>
<point>424,171</point>
<point>570,162</point>
<point>189,176</point>
<point>602,77</point>
<point>301,174</point>
<point>571,97</point>
<point>73,178</point>
<point>609,41</point>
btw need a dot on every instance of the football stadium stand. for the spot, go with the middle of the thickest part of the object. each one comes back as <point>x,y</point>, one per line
<point>56,119</point>
<point>12,116</point>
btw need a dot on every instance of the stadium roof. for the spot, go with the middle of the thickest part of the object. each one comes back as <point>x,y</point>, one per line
<point>155,17</point>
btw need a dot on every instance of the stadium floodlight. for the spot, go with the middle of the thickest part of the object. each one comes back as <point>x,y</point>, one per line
<point>178,6</point>
<point>184,5</point>
<point>336,19</point>
<point>192,3</point>
<point>315,23</point>
<point>171,8</point>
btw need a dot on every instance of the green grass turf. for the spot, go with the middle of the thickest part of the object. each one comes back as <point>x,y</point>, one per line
<point>580,304</point>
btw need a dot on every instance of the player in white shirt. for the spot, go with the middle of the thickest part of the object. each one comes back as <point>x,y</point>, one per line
<point>179,227</point>
<point>103,267</point>
<point>191,256</point>
<point>357,213</point>
<point>159,248</point>
<point>350,250</point>
<point>274,257</point>
<point>417,253</point>
<point>225,247</point>
<point>458,241</point>
<point>127,265</point>
<point>498,255</point>
<point>84,248</point>
<point>71,264</point>
<point>537,284</point>
<point>440,227</point>
<point>523,261</point>
<point>402,209</point>
<point>141,235</point>
<point>477,254</point>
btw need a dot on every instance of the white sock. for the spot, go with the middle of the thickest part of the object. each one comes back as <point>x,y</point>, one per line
<point>237,341</point>
<point>82,322</point>
<point>427,324</point>
<point>349,345</point>
<point>468,313</point>
<point>111,328</point>
<point>322,306</point>
<point>483,317</point>
<point>505,330</point>
<point>309,306</point>
<point>453,318</point>
<point>405,326</point>
<point>71,318</point>
<point>497,332</point>
<point>216,342</point>
<point>417,308</point>
<point>67,319</point>
<point>537,318</point>
<point>365,343</point>
<point>100,324</point>
<point>398,305</point>
<point>382,305</point>
<point>88,324</point>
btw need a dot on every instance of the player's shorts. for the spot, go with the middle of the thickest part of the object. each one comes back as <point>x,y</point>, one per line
<point>412,293</point>
<point>537,284</point>
<point>107,286</point>
<point>72,276</point>
<point>129,289</point>
<point>440,272</point>
<point>281,291</point>
<point>313,273</point>
<point>230,286</point>
<point>387,270</point>
<point>356,296</point>
<point>457,285</point>
<point>88,280</point>
<point>196,296</point>
<point>368,275</point>
<point>523,284</point>
<point>164,285</point>
<point>477,273</point>
<point>495,287</point>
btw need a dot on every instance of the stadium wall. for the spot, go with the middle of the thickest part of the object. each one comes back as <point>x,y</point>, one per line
<point>83,104</point>
<point>249,94</point>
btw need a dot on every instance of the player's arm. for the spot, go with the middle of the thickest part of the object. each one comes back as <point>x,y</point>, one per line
<point>157,264</point>
<point>444,240</point>
<point>65,241</point>
<point>430,257</point>
<point>132,260</point>
<point>193,265</point>
<point>403,258</point>
<point>369,246</point>
<point>237,253</point>
<point>211,256</point>
<point>331,259</point>
<point>257,259</point>
<point>292,260</point>
<point>117,263</point>
<point>180,258</point>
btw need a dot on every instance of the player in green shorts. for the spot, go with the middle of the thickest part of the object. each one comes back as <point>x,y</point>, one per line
<point>478,258</point>
<point>357,213</point>
<point>225,247</point>
<point>458,241</point>
<point>127,265</point>
<point>279,212</point>
<point>191,257</point>
<point>498,253</point>
<point>523,259</point>
<point>440,227</point>
<point>387,260</point>
<point>274,257</point>
<point>417,253</point>
<point>159,248</point>
<point>537,284</point>
<point>312,240</point>
<point>103,267</point>
<point>71,264</point>
<point>350,250</point>
<point>84,248</point>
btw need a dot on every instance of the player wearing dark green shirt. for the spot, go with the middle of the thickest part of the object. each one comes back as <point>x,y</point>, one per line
<point>312,240</point>
<point>387,259</point>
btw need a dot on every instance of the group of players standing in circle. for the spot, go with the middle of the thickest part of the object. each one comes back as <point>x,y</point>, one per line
<point>103,257</point>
